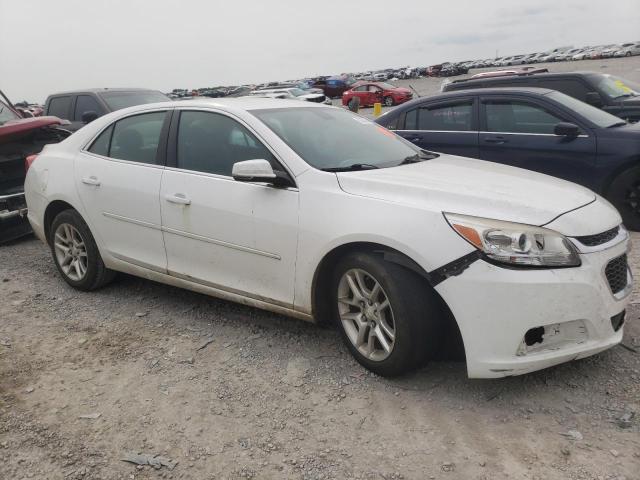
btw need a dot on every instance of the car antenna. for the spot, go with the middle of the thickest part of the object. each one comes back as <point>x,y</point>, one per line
<point>414,90</point>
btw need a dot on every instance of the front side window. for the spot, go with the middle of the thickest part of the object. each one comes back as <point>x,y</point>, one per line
<point>513,116</point>
<point>59,107</point>
<point>574,88</point>
<point>85,103</point>
<point>136,138</point>
<point>212,143</point>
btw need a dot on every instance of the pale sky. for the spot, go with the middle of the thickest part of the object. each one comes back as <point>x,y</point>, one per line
<point>48,46</point>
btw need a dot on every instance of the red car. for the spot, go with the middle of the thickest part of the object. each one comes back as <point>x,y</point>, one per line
<point>376,92</point>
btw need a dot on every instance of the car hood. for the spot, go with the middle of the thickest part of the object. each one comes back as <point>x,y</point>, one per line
<point>311,96</point>
<point>630,101</point>
<point>14,129</point>
<point>471,187</point>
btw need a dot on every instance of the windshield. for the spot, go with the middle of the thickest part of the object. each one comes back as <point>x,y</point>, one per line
<point>599,117</point>
<point>118,100</point>
<point>6,114</point>
<point>297,92</point>
<point>614,87</point>
<point>328,138</point>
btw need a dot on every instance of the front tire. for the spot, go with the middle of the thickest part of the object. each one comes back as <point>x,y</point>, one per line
<point>389,317</point>
<point>388,101</point>
<point>624,194</point>
<point>76,254</point>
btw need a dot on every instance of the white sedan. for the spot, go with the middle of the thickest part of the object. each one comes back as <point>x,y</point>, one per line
<point>317,213</point>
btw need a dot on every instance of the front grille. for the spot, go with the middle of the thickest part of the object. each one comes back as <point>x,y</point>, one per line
<point>616,273</point>
<point>599,238</point>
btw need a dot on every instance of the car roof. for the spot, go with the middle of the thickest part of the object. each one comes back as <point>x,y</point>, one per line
<point>239,103</point>
<point>103,90</point>
<point>494,91</point>
<point>523,75</point>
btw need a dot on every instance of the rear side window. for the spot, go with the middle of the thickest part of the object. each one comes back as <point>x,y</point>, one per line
<point>136,138</point>
<point>86,103</point>
<point>59,107</point>
<point>212,143</point>
<point>452,117</point>
<point>133,138</point>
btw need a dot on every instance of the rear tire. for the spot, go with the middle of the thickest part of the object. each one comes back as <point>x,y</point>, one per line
<point>624,194</point>
<point>388,340</point>
<point>76,254</point>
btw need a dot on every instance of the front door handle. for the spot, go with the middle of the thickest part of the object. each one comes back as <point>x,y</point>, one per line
<point>414,139</point>
<point>91,181</point>
<point>496,140</point>
<point>179,198</point>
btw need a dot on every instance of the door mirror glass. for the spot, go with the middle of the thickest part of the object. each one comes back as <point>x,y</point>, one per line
<point>594,98</point>
<point>566,129</point>
<point>90,116</point>
<point>253,171</point>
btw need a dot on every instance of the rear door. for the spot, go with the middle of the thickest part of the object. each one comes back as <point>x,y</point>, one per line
<point>519,131</point>
<point>118,179</point>
<point>448,126</point>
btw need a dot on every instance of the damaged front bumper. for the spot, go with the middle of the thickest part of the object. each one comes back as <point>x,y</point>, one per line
<point>515,321</point>
<point>13,217</point>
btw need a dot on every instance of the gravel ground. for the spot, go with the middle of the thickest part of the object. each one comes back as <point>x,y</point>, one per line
<point>226,391</point>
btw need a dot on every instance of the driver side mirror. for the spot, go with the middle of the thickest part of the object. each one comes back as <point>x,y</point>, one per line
<point>89,116</point>
<point>566,129</point>
<point>594,98</point>
<point>259,171</point>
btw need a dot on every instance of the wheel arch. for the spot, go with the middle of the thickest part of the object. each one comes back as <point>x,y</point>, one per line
<point>52,210</point>
<point>453,346</point>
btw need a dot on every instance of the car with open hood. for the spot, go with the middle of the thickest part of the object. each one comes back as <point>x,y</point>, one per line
<point>317,213</point>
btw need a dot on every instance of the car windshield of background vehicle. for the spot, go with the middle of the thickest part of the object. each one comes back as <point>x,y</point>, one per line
<point>6,114</point>
<point>330,138</point>
<point>599,117</point>
<point>615,87</point>
<point>118,100</point>
<point>298,92</point>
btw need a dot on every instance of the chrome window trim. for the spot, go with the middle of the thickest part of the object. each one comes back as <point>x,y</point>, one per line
<point>437,131</point>
<point>229,178</point>
<point>533,134</point>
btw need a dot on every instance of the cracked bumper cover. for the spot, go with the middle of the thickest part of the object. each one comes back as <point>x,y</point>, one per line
<point>494,308</point>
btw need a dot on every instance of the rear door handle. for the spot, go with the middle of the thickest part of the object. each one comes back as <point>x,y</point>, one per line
<point>496,140</point>
<point>91,181</point>
<point>179,198</point>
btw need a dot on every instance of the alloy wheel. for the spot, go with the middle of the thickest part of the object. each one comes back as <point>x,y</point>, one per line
<point>388,101</point>
<point>366,314</point>
<point>70,251</point>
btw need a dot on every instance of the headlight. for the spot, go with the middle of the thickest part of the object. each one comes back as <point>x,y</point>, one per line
<point>515,243</point>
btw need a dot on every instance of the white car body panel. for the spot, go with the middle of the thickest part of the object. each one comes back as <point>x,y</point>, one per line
<point>262,246</point>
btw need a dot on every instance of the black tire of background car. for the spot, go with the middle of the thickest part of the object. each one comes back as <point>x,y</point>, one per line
<point>416,309</point>
<point>388,101</point>
<point>97,274</point>
<point>354,104</point>
<point>624,194</point>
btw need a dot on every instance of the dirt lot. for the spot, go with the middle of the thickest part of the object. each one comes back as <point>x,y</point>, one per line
<point>232,392</point>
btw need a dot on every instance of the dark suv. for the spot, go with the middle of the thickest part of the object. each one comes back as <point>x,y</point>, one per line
<point>612,94</point>
<point>83,106</point>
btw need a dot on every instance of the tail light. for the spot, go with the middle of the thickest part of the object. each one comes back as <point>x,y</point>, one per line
<point>28,161</point>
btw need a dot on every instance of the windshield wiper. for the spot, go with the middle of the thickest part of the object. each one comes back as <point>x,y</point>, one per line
<point>418,157</point>
<point>351,168</point>
<point>624,95</point>
<point>617,124</point>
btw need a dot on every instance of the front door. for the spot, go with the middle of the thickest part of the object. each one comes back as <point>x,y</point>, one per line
<point>238,237</point>
<point>118,180</point>
<point>520,133</point>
